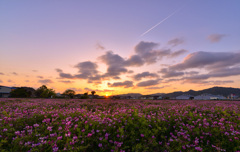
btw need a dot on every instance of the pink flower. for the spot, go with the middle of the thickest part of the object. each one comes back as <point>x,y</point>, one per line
<point>68,134</point>
<point>36,125</point>
<point>59,138</point>
<point>55,149</point>
<point>198,148</point>
<point>17,132</point>
<point>60,128</point>
<point>74,137</point>
<point>49,128</point>
<point>106,135</point>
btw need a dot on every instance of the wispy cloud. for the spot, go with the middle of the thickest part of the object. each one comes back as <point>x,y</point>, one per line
<point>139,76</point>
<point>156,88</point>
<point>176,41</point>
<point>41,77</point>
<point>14,73</point>
<point>215,37</point>
<point>100,46</point>
<point>209,60</point>
<point>168,73</point>
<point>45,81</point>
<point>125,84</point>
<point>178,53</point>
<point>148,83</point>
<point>66,82</point>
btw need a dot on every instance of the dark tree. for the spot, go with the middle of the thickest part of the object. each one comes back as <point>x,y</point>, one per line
<point>20,93</point>
<point>85,96</point>
<point>93,92</point>
<point>69,93</point>
<point>44,92</point>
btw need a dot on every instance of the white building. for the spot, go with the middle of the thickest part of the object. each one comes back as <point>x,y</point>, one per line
<point>185,97</point>
<point>147,97</point>
<point>217,97</point>
<point>5,92</point>
<point>233,96</point>
<point>157,97</point>
<point>207,96</point>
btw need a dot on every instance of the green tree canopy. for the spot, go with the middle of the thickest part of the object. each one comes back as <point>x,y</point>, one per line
<point>70,93</point>
<point>20,93</point>
<point>85,96</point>
<point>44,92</point>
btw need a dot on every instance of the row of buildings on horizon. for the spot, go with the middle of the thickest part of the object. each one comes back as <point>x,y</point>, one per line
<point>205,96</point>
<point>5,93</point>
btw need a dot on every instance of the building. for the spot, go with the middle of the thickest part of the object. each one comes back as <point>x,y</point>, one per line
<point>207,96</point>
<point>5,92</point>
<point>147,97</point>
<point>233,96</point>
<point>157,97</point>
<point>217,97</point>
<point>78,96</point>
<point>93,96</point>
<point>185,97</point>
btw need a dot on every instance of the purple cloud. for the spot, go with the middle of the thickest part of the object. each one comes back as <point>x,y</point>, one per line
<point>139,76</point>
<point>213,38</point>
<point>67,82</point>
<point>45,81</point>
<point>176,41</point>
<point>148,83</point>
<point>209,60</point>
<point>125,84</point>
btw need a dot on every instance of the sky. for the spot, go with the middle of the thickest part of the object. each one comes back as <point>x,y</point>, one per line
<point>118,47</point>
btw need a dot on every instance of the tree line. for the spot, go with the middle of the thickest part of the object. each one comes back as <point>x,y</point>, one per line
<point>44,92</point>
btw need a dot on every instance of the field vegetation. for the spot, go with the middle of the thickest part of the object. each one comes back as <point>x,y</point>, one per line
<point>118,125</point>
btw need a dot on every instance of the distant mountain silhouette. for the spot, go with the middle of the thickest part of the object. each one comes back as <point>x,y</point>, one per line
<point>214,91</point>
<point>157,94</point>
<point>131,94</point>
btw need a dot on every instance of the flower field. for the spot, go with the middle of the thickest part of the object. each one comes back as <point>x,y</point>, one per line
<point>118,125</point>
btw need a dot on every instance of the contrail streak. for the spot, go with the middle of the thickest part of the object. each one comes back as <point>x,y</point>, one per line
<point>161,21</point>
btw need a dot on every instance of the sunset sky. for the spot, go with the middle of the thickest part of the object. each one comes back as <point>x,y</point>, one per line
<point>116,47</point>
